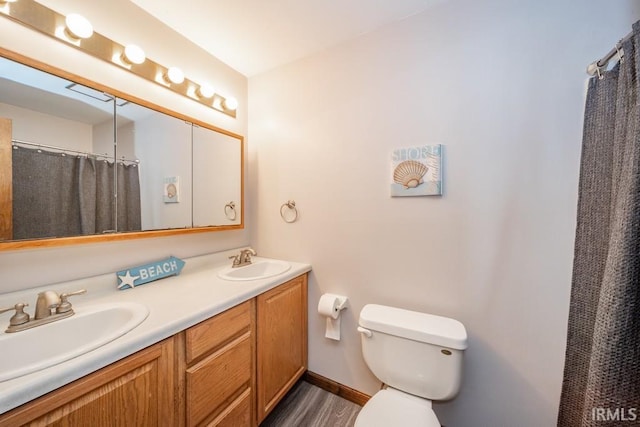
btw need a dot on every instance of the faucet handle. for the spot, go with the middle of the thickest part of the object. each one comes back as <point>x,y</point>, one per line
<point>20,316</point>
<point>65,305</point>
<point>245,255</point>
<point>236,260</point>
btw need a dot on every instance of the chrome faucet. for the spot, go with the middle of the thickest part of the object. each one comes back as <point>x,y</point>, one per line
<point>244,258</point>
<point>49,307</point>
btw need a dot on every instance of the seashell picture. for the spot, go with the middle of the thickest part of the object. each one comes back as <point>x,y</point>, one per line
<point>416,171</point>
<point>409,173</point>
<point>171,192</point>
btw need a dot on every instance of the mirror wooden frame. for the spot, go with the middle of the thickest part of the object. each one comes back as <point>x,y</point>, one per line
<point>6,215</point>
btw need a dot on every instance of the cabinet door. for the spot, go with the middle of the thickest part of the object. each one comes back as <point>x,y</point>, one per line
<point>282,341</point>
<point>136,391</point>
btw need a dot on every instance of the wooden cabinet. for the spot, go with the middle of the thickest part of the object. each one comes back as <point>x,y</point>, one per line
<point>6,180</point>
<point>219,366</point>
<point>281,342</point>
<point>136,391</point>
<point>230,370</point>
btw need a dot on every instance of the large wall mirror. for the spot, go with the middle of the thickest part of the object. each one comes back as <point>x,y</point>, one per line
<point>81,163</point>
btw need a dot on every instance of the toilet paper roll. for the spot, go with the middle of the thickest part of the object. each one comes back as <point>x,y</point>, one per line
<point>332,330</point>
<point>331,305</point>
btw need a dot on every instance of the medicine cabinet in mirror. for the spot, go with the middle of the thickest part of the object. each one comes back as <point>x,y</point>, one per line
<point>82,163</point>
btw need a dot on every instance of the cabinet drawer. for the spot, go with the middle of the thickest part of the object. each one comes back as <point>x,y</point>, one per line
<point>208,335</point>
<point>237,414</point>
<point>216,381</point>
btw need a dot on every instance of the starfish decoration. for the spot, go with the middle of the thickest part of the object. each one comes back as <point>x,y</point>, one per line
<point>127,280</point>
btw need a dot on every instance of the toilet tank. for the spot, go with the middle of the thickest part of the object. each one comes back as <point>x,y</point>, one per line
<point>414,352</point>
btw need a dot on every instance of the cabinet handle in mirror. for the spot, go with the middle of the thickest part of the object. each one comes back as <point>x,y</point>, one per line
<point>293,214</point>
<point>230,211</point>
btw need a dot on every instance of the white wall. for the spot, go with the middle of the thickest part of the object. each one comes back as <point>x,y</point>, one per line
<point>50,130</point>
<point>174,160</point>
<point>501,85</point>
<point>123,22</point>
<point>217,158</point>
<point>102,142</point>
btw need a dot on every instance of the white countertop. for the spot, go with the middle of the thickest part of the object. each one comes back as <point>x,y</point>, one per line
<point>175,303</point>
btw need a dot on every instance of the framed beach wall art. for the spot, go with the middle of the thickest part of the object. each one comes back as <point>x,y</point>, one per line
<point>171,192</point>
<point>416,171</point>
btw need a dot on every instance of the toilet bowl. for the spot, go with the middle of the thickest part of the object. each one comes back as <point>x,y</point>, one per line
<point>418,356</point>
<point>391,407</point>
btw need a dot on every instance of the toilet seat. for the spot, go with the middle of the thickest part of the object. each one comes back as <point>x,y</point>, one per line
<point>390,408</point>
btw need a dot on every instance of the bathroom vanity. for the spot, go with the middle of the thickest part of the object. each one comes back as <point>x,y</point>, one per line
<point>211,352</point>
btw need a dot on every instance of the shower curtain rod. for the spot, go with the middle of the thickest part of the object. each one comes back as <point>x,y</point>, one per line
<point>594,67</point>
<point>66,150</point>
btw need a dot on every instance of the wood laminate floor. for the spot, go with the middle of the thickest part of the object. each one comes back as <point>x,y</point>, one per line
<point>309,406</point>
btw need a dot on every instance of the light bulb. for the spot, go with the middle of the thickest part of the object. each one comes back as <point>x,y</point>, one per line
<point>231,103</point>
<point>205,91</point>
<point>134,54</point>
<point>174,75</point>
<point>78,27</point>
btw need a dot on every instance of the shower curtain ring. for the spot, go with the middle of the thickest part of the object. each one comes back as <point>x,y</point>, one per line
<point>600,77</point>
<point>620,52</point>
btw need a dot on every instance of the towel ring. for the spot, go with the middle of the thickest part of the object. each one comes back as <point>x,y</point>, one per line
<point>230,208</point>
<point>291,204</point>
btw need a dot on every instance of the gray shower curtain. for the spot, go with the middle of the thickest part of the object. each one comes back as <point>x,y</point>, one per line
<point>60,196</point>
<point>601,384</point>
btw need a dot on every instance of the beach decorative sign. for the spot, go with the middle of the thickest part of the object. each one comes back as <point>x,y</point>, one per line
<point>137,276</point>
<point>416,171</point>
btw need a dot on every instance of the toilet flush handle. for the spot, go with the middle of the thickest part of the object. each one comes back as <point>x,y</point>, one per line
<point>365,332</point>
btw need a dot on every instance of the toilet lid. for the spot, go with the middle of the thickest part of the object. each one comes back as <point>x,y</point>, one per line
<point>390,408</point>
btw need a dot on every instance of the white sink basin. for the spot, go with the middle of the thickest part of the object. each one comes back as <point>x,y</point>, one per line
<point>48,345</point>
<point>260,269</point>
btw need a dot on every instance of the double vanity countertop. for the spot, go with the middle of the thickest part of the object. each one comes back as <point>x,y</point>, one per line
<point>175,304</point>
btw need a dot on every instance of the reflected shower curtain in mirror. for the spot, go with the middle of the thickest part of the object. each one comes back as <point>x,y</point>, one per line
<point>129,217</point>
<point>57,195</point>
<point>601,384</point>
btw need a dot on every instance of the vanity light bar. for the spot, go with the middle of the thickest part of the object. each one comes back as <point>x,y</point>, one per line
<point>133,55</point>
<point>78,27</point>
<point>78,32</point>
<point>205,91</point>
<point>230,103</point>
<point>174,75</point>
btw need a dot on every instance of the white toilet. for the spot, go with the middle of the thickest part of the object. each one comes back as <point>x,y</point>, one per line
<point>418,356</point>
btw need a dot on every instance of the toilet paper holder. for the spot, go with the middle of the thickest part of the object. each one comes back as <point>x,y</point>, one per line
<point>342,303</point>
<point>331,305</point>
